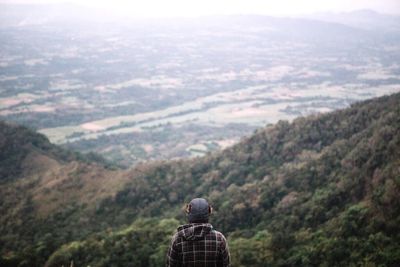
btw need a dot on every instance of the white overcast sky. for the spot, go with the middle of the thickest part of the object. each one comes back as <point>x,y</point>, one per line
<point>162,8</point>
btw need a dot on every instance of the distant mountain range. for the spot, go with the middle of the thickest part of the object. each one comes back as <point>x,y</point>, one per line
<point>320,191</point>
<point>24,14</point>
<point>364,19</point>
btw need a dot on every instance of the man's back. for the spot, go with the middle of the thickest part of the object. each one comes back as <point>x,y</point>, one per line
<point>198,244</point>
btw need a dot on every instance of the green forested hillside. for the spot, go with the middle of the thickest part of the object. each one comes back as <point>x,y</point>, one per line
<point>320,191</point>
<point>18,142</point>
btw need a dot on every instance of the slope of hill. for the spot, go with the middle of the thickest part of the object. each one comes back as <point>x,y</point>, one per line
<point>20,146</point>
<point>320,191</point>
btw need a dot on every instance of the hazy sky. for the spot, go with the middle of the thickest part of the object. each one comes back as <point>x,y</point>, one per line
<point>157,8</point>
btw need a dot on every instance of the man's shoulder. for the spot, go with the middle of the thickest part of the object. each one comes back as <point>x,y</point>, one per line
<point>218,233</point>
<point>176,236</point>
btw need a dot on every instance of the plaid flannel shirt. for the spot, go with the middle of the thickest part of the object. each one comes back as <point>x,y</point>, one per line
<point>198,245</point>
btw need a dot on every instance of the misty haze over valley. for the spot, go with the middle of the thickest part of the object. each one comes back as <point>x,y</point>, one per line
<point>142,89</point>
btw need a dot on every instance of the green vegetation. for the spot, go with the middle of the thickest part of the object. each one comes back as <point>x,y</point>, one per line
<point>144,243</point>
<point>16,142</point>
<point>320,191</point>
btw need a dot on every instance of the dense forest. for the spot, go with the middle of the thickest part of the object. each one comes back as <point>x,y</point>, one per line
<point>319,191</point>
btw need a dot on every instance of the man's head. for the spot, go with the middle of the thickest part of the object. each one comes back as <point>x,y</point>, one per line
<point>198,210</point>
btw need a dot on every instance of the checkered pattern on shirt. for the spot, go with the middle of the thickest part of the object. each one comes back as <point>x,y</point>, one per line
<point>209,247</point>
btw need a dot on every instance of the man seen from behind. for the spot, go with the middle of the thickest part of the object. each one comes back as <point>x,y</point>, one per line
<point>197,243</point>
